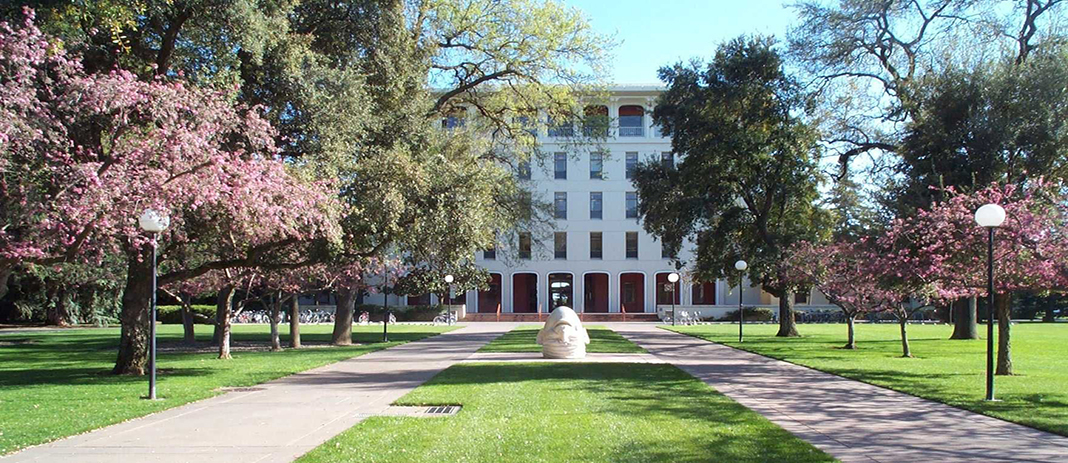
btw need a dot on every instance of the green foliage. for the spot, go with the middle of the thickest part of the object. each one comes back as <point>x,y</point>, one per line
<point>746,185</point>
<point>549,412</point>
<point>1003,122</point>
<point>945,370</point>
<point>524,339</point>
<point>45,375</point>
<point>752,314</point>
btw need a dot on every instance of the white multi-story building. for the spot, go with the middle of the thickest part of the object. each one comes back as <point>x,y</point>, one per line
<point>598,259</point>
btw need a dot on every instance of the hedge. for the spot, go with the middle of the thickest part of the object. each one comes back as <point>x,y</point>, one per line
<point>755,314</point>
<point>172,314</point>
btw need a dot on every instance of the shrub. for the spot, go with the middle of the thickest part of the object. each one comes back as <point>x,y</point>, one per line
<point>755,314</point>
<point>172,314</point>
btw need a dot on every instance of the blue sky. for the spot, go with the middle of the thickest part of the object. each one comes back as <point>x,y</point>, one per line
<point>657,33</point>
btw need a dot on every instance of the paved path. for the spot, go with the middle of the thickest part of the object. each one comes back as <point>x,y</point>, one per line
<point>284,420</point>
<point>853,421</point>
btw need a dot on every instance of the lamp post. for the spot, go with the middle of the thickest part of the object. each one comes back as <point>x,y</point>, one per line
<point>448,315</point>
<point>741,265</point>
<point>153,222</point>
<point>385,306</point>
<point>990,216</point>
<point>673,278</point>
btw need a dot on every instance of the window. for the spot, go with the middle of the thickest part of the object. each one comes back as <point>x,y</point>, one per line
<point>632,204</point>
<point>631,121</point>
<point>596,205</point>
<point>801,297</point>
<point>629,292</point>
<point>667,159</point>
<point>704,293</point>
<point>561,128</point>
<point>454,118</point>
<point>665,251</point>
<point>523,171</point>
<point>524,245</point>
<point>490,253</point>
<point>632,163</point>
<point>526,119</point>
<point>595,123</point>
<point>560,205</point>
<point>597,166</point>
<point>560,245</point>
<point>526,204</point>
<point>596,245</point>
<point>632,245</point>
<point>560,166</point>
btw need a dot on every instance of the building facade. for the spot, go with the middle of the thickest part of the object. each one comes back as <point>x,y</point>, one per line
<point>598,259</point>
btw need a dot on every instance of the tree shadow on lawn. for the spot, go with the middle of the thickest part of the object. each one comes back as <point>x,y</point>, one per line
<point>67,376</point>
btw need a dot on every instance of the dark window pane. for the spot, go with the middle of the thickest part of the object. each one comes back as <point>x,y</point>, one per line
<point>632,204</point>
<point>560,166</point>
<point>560,245</point>
<point>490,253</point>
<point>596,246</point>
<point>667,159</point>
<point>631,121</point>
<point>596,205</point>
<point>524,245</point>
<point>563,128</point>
<point>596,165</point>
<point>632,163</point>
<point>560,205</point>
<point>632,245</point>
<point>595,123</point>
<point>801,297</point>
<point>524,170</point>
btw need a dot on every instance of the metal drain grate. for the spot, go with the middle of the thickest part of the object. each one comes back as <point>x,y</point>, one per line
<point>442,410</point>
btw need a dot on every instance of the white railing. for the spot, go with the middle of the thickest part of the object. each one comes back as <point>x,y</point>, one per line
<point>632,131</point>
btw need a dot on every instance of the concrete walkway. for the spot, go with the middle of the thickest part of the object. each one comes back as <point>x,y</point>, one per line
<point>284,419</point>
<point>853,421</point>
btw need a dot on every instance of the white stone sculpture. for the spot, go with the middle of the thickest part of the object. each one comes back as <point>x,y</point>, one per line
<point>563,336</point>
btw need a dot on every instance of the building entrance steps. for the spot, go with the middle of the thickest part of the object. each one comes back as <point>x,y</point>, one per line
<point>851,420</point>
<point>279,420</point>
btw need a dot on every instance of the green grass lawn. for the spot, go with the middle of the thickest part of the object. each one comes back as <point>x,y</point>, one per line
<point>523,339</point>
<point>568,412</point>
<point>949,371</point>
<point>56,384</point>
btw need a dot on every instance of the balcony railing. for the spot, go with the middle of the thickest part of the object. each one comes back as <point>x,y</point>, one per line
<point>632,131</point>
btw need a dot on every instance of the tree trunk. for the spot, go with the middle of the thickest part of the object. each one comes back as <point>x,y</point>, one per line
<point>294,321</point>
<point>851,341</point>
<point>5,275</point>
<point>346,304</point>
<point>136,299</point>
<point>276,314</point>
<point>216,334</point>
<point>1046,317</point>
<point>1003,305</point>
<point>787,323</point>
<point>965,319</point>
<point>903,320</point>
<point>57,312</point>
<point>189,335</point>
<point>223,306</point>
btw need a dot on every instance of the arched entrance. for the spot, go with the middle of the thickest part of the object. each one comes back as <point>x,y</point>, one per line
<point>489,299</point>
<point>561,291</point>
<point>632,292</point>
<point>524,293</point>
<point>665,290</point>
<point>595,292</point>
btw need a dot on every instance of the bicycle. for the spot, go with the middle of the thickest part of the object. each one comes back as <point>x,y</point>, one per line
<point>444,319</point>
